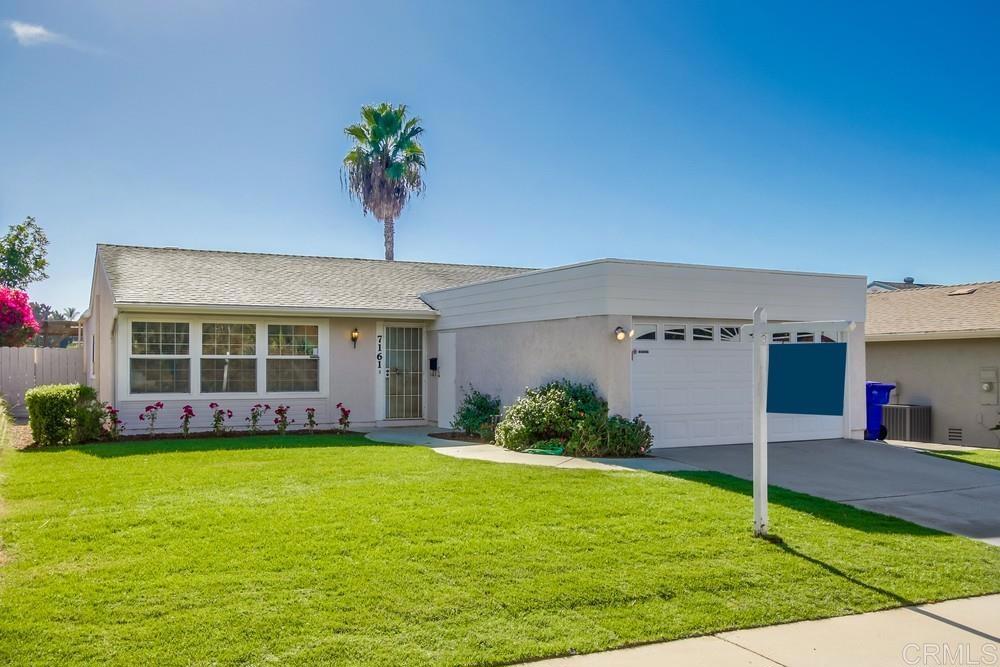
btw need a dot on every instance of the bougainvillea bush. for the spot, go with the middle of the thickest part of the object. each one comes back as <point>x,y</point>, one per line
<point>17,322</point>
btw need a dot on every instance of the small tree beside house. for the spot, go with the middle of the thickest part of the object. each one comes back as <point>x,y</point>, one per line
<point>17,322</point>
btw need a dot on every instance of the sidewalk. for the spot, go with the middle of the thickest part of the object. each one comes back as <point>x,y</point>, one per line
<point>958,632</point>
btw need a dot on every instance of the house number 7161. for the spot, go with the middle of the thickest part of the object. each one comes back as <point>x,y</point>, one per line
<point>378,351</point>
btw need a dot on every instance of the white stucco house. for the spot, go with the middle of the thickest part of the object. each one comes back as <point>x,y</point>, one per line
<point>397,341</point>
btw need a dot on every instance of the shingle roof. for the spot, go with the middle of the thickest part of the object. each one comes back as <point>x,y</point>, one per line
<point>935,310</point>
<point>178,276</point>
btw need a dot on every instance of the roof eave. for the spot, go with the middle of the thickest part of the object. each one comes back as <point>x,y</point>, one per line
<point>931,335</point>
<point>286,311</point>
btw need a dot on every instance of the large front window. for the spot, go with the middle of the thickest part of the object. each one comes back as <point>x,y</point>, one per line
<point>228,358</point>
<point>160,358</point>
<point>292,357</point>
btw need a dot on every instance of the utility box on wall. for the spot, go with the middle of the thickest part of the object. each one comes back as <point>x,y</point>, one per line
<point>988,394</point>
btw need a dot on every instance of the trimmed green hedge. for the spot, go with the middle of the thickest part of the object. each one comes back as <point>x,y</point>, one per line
<point>63,414</point>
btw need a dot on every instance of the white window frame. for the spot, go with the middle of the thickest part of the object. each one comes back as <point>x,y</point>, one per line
<point>124,350</point>
<point>130,356</point>
<point>262,370</point>
<point>255,356</point>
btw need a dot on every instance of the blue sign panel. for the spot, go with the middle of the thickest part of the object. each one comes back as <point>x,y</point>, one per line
<point>806,378</point>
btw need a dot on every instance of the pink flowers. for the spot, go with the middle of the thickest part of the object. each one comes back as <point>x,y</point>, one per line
<point>311,419</point>
<point>256,412</point>
<point>17,322</point>
<point>219,417</point>
<point>111,425</point>
<point>150,414</point>
<point>187,413</point>
<point>345,417</point>
<point>281,420</point>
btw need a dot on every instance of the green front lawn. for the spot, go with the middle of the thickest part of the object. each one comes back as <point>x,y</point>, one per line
<point>989,458</point>
<point>333,550</point>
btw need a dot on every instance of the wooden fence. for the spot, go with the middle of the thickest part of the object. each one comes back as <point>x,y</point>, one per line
<point>22,368</point>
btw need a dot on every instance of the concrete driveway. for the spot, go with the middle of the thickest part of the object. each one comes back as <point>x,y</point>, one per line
<point>947,495</point>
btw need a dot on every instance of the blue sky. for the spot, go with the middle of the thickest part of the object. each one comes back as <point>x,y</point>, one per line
<point>815,136</point>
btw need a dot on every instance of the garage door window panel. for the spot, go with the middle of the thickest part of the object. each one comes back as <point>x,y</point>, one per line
<point>703,334</point>
<point>674,333</point>
<point>729,334</point>
<point>645,332</point>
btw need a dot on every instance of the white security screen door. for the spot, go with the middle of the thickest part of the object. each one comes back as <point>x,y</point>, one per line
<point>404,381</point>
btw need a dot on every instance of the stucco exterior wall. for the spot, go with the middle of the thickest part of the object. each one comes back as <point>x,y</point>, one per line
<point>945,375</point>
<point>352,370</point>
<point>503,359</point>
<point>98,338</point>
<point>431,350</point>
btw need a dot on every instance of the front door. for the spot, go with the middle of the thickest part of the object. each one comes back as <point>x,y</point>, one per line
<point>404,381</point>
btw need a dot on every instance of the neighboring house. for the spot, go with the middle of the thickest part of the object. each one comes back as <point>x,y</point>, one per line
<point>941,347</point>
<point>398,341</point>
<point>887,286</point>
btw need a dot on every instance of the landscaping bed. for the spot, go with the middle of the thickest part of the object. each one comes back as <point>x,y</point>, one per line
<point>318,549</point>
<point>199,435</point>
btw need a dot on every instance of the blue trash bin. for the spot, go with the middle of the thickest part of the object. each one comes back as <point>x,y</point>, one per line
<point>876,395</point>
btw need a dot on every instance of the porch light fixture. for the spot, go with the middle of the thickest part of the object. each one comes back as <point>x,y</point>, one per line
<point>621,334</point>
<point>354,337</point>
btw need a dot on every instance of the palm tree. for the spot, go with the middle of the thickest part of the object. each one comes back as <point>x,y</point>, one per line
<point>384,167</point>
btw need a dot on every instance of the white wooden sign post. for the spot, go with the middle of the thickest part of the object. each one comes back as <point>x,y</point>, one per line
<point>761,332</point>
<point>760,421</point>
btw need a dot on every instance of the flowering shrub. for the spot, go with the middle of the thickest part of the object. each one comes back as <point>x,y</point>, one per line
<point>256,412</point>
<point>17,322</point>
<point>187,413</point>
<point>311,419</point>
<point>281,420</point>
<point>549,412</point>
<point>219,417</point>
<point>150,414</point>
<point>345,417</point>
<point>111,425</point>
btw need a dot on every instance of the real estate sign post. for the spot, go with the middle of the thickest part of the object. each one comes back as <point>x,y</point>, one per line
<point>760,360</point>
<point>793,377</point>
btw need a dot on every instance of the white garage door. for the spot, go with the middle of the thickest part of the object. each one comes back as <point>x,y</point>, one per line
<point>692,383</point>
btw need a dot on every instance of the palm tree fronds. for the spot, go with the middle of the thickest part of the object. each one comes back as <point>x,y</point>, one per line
<point>384,167</point>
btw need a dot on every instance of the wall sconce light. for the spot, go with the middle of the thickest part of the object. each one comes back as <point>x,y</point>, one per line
<point>354,337</point>
<point>621,334</point>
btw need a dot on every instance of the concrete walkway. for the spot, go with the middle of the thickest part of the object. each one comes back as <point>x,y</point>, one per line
<point>959,632</point>
<point>931,446</point>
<point>419,435</point>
